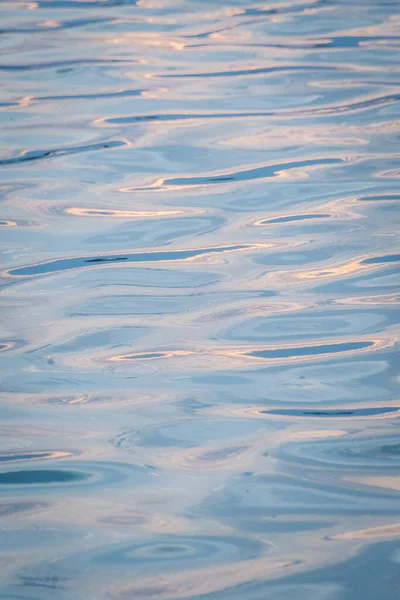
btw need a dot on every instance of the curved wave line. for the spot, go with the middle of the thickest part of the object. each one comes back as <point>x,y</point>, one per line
<point>67,264</point>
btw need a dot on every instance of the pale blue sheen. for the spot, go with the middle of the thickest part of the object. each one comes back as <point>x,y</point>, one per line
<point>199,283</point>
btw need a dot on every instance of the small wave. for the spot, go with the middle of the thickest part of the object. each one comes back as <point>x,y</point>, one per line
<point>376,260</point>
<point>30,456</point>
<point>66,264</point>
<point>83,4</point>
<point>264,172</point>
<point>317,350</point>
<point>97,96</point>
<point>32,155</point>
<point>55,25</point>
<point>330,110</point>
<point>359,455</point>
<point>293,218</point>
<point>64,63</point>
<point>244,72</point>
<point>167,552</point>
<point>332,413</point>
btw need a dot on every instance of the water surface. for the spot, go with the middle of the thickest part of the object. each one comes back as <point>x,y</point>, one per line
<point>199,286</point>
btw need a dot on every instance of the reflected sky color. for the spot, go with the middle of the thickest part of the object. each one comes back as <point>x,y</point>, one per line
<point>199,281</point>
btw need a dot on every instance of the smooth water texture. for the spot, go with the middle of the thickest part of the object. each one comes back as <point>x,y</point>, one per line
<point>198,282</point>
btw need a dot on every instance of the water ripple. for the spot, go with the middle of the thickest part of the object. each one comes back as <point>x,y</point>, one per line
<point>169,552</point>
<point>329,110</point>
<point>40,154</point>
<point>264,172</point>
<point>82,473</point>
<point>199,333</point>
<point>299,351</point>
<point>63,63</point>
<point>241,73</point>
<point>358,455</point>
<point>135,257</point>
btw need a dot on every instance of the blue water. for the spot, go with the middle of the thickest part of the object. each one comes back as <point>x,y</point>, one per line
<point>199,286</point>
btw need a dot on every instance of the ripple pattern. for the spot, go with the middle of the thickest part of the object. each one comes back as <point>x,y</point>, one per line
<point>199,279</point>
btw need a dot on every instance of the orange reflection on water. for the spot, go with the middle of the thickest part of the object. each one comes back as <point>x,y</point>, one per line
<point>174,44</point>
<point>316,434</point>
<point>298,352</point>
<point>391,482</point>
<point>230,357</point>
<point>50,23</point>
<point>243,175</point>
<point>153,94</point>
<point>185,584</point>
<point>388,531</point>
<point>378,299</point>
<point>308,136</point>
<point>157,186</point>
<point>25,101</point>
<point>296,275</point>
<point>22,103</point>
<point>33,455</point>
<point>151,355</point>
<point>4,346</point>
<point>335,210</point>
<point>289,218</point>
<point>147,39</point>
<point>348,268</point>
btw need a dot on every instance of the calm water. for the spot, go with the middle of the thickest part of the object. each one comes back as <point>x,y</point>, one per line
<point>199,312</point>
